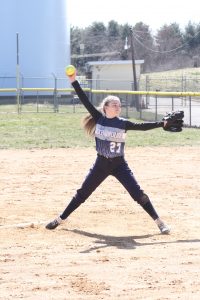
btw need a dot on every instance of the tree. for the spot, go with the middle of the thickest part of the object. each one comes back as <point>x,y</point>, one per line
<point>169,41</point>
<point>113,29</point>
<point>76,37</point>
<point>191,36</point>
<point>169,37</point>
<point>169,48</point>
<point>192,43</point>
<point>143,43</point>
<point>125,31</point>
<point>97,28</point>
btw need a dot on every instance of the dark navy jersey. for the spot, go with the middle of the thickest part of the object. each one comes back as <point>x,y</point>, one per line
<point>110,133</point>
<point>110,136</point>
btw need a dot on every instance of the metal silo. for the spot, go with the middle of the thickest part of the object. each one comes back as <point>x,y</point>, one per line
<point>44,40</point>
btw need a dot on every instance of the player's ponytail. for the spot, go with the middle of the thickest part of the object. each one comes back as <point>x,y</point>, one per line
<point>89,125</point>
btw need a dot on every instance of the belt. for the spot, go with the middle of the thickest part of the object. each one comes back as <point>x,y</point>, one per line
<point>110,158</point>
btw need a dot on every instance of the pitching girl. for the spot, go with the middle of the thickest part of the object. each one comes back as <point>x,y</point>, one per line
<point>110,132</point>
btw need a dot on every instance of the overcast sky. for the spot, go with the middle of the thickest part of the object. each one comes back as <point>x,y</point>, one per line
<point>154,13</point>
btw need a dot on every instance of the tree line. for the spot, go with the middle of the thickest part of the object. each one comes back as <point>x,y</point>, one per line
<point>169,48</point>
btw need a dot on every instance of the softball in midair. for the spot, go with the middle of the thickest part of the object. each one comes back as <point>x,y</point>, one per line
<point>70,70</point>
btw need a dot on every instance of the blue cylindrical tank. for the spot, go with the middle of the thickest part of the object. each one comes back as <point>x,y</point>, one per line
<point>44,39</point>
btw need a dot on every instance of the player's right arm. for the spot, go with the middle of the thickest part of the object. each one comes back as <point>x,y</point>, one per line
<point>96,114</point>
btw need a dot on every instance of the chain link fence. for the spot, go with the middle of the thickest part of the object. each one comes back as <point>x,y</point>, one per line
<point>156,97</point>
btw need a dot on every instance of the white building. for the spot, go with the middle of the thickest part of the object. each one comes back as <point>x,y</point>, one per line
<point>113,75</point>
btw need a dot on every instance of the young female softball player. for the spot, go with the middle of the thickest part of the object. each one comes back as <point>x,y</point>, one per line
<point>109,131</point>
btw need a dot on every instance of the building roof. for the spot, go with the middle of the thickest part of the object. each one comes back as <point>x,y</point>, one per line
<point>114,62</point>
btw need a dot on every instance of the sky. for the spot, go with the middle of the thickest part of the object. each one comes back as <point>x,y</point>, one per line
<point>154,13</point>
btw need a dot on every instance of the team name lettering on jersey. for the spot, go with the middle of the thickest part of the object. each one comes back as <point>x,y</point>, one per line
<point>110,133</point>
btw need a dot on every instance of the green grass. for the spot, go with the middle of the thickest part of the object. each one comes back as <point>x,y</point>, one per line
<point>180,80</point>
<point>178,72</point>
<point>47,130</point>
<point>159,137</point>
<point>50,130</point>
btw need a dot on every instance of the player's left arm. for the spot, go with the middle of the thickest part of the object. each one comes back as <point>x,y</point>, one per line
<point>143,126</point>
<point>172,121</point>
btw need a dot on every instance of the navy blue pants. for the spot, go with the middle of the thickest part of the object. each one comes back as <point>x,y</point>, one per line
<point>102,168</point>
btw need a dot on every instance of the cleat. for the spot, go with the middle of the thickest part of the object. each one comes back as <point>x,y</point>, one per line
<point>53,224</point>
<point>164,229</point>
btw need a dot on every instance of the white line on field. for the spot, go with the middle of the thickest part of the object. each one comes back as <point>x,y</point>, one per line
<point>23,225</point>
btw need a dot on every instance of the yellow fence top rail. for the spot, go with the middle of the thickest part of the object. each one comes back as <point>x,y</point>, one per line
<point>7,90</point>
<point>52,89</point>
<point>127,92</point>
<point>178,94</point>
<point>37,89</point>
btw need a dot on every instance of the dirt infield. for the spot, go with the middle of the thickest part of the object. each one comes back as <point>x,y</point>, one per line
<point>109,248</point>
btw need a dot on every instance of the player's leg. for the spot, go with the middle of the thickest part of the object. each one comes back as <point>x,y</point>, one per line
<point>127,179</point>
<point>94,178</point>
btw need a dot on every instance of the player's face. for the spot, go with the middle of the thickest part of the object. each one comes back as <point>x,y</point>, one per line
<point>113,109</point>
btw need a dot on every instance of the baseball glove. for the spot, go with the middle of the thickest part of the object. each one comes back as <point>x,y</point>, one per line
<point>173,121</point>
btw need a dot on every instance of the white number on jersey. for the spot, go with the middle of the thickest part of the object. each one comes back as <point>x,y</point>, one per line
<point>115,147</point>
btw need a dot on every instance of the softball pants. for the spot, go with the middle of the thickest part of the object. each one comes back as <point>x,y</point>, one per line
<point>102,168</point>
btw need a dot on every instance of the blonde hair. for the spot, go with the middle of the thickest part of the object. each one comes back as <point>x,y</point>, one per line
<point>89,124</point>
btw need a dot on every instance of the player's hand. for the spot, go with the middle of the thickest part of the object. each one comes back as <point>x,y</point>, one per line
<point>72,77</point>
<point>70,71</point>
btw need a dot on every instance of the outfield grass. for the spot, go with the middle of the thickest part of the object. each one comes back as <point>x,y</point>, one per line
<point>177,72</point>
<point>51,130</point>
<point>179,80</point>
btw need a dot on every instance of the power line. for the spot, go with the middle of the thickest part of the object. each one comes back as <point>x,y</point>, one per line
<point>162,52</point>
<point>92,38</point>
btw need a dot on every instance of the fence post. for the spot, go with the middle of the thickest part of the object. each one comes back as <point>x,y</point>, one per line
<point>147,88</point>
<point>172,103</point>
<point>89,84</point>
<point>55,98</point>
<point>190,111</point>
<point>140,105</point>
<point>156,108</point>
<point>126,106</point>
<point>37,102</point>
<point>18,76</point>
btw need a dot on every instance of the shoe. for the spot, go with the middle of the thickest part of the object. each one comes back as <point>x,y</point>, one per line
<point>164,229</point>
<point>53,224</point>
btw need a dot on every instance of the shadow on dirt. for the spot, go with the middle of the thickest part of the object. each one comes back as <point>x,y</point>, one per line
<point>123,242</point>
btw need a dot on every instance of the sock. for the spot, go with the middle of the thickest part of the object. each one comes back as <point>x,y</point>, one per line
<point>74,204</point>
<point>59,220</point>
<point>148,207</point>
<point>158,221</point>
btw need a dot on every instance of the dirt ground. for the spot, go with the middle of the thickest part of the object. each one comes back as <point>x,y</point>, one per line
<point>109,248</point>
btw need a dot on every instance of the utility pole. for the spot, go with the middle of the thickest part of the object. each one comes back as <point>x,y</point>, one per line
<point>134,71</point>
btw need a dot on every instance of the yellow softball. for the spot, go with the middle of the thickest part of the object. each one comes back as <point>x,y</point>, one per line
<point>70,70</point>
